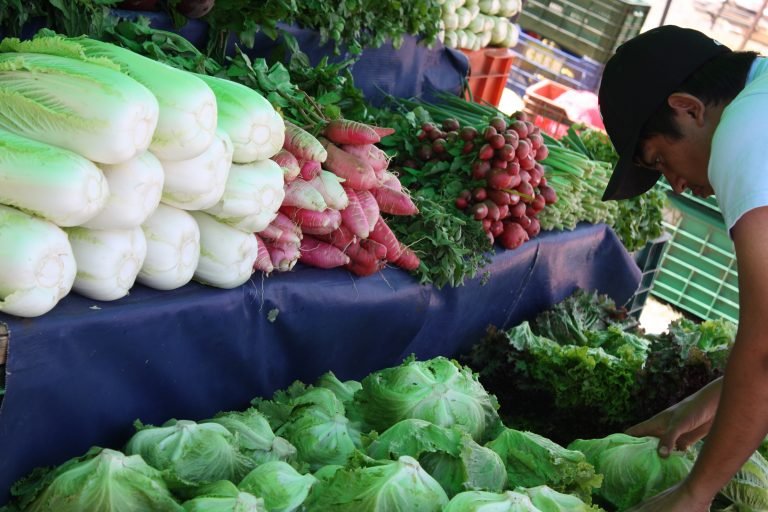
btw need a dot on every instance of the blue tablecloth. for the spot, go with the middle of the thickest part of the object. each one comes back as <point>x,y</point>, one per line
<point>80,375</point>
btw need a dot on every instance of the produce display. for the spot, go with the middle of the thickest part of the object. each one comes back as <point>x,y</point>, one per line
<point>424,435</point>
<point>476,24</point>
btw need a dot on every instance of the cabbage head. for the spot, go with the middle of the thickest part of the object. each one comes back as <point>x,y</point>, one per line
<point>320,431</point>
<point>450,455</point>
<point>190,454</point>
<point>380,486</point>
<point>344,391</point>
<point>438,390</point>
<point>223,496</point>
<point>483,501</point>
<point>102,479</point>
<point>632,468</point>
<point>255,437</point>
<point>748,489</point>
<point>533,460</point>
<point>281,486</point>
<point>549,500</point>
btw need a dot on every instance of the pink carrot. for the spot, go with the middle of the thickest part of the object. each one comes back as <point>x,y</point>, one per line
<point>370,206</point>
<point>317,253</point>
<point>303,144</point>
<point>263,261</point>
<point>378,250</point>
<point>283,256</point>
<point>291,232</point>
<point>288,164</point>
<point>382,131</point>
<point>301,194</point>
<point>344,131</point>
<point>353,216</point>
<point>408,259</point>
<point>364,269</point>
<point>310,169</point>
<point>391,181</point>
<point>313,222</point>
<point>363,253</point>
<point>393,202</point>
<point>383,234</point>
<point>340,238</point>
<point>357,174</point>
<point>377,158</point>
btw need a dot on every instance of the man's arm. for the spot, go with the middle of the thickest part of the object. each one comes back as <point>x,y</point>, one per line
<point>741,421</point>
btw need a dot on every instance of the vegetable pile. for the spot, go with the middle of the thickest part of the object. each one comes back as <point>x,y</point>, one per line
<point>424,435</point>
<point>476,24</point>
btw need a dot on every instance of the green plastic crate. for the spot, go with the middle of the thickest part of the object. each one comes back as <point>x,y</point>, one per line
<point>648,260</point>
<point>698,269</point>
<point>589,28</point>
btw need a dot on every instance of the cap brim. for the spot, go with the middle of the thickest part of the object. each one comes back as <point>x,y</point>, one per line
<point>629,180</point>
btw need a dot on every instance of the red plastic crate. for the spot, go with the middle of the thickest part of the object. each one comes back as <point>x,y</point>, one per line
<point>542,111</point>
<point>488,73</point>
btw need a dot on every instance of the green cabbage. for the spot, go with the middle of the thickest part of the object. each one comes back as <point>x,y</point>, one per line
<point>532,460</point>
<point>318,428</point>
<point>223,496</point>
<point>547,499</point>
<point>101,480</point>
<point>344,391</point>
<point>438,390</point>
<point>255,437</point>
<point>190,454</point>
<point>483,501</point>
<point>382,486</point>
<point>282,487</point>
<point>632,468</point>
<point>450,455</point>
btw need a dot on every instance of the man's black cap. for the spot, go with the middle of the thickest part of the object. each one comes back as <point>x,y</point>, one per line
<point>636,81</point>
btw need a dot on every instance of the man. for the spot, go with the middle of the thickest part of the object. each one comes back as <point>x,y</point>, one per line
<point>679,104</point>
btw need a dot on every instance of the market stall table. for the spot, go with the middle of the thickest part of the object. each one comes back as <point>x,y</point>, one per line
<point>80,375</point>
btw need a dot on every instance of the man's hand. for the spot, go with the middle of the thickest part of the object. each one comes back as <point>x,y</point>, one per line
<point>681,425</point>
<point>675,499</point>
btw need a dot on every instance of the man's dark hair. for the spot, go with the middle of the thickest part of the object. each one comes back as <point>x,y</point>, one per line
<point>717,81</point>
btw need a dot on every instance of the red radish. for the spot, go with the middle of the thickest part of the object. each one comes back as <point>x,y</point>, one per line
<point>513,236</point>
<point>499,123</point>
<point>394,202</point>
<point>498,179</point>
<point>523,149</point>
<point>378,249</point>
<point>353,216</point>
<point>344,131</point>
<point>521,128</point>
<point>534,228</point>
<point>370,206</point>
<point>497,141</point>
<point>467,148</point>
<point>506,152</point>
<point>480,168</point>
<point>461,203</point>
<point>366,253</point>
<point>503,211</point>
<point>479,194</point>
<point>288,163</point>
<point>536,176</point>
<point>382,234</point>
<point>358,174</point>
<point>497,228</point>
<point>527,162</point>
<point>283,256</point>
<point>513,167</point>
<point>486,152</point>
<point>500,197</point>
<point>317,253</point>
<point>493,210</point>
<point>542,153</point>
<point>408,259</point>
<point>499,162</point>
<point>301,194</point>
<point>303,144</point>
<point>340,238</point>
<point>536,140</point>
<point>489,132</point>
<point>287,226</point>
<point>310,169</point>
<point>515,181</point>
<point>312,222</point>
<point>538,202</point>
<point>383,131</point>
<point>364,269</point>
<point>391,181</point>
<point>486,224</point>
<point>524,221</point>
<point>479,211</point>
<point>517,210</point>
<point>526,191</point>
<point>525,176</point>
<point>263,262</point>
<point>468,134</point>
<point>548,193</point>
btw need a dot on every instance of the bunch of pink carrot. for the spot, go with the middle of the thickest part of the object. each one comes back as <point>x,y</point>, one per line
<point>336,189</point>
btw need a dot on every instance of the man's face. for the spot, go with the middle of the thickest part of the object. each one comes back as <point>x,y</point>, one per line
<point>683,162</point>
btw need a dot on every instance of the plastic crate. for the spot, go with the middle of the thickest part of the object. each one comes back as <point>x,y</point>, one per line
<point>591,28</point>
<point>489,70</point>
<point>648,259</point>
<point>538,104</point>
<point>698,270</point>
<point>536,61</point>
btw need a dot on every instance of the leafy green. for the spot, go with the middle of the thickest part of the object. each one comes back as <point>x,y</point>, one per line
<point>224,496</point>
<point>533,460</point>
<point>281,486</point>
<point>748,489</point>
<point>632,468</point>
<point>71,17</point>
<point>484,501</point>
<point>438,390</point>
<point>102,479</point>
<point>378,486</point>
<point>549,500</point>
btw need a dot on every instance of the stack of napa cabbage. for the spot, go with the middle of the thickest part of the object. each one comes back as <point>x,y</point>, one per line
<point>116,169</point>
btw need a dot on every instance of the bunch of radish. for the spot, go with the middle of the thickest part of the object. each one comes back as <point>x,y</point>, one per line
<point>336,189</point>
<point>507,188</point>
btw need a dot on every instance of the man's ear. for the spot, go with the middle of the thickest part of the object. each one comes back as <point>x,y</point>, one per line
<point>688,105</point>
